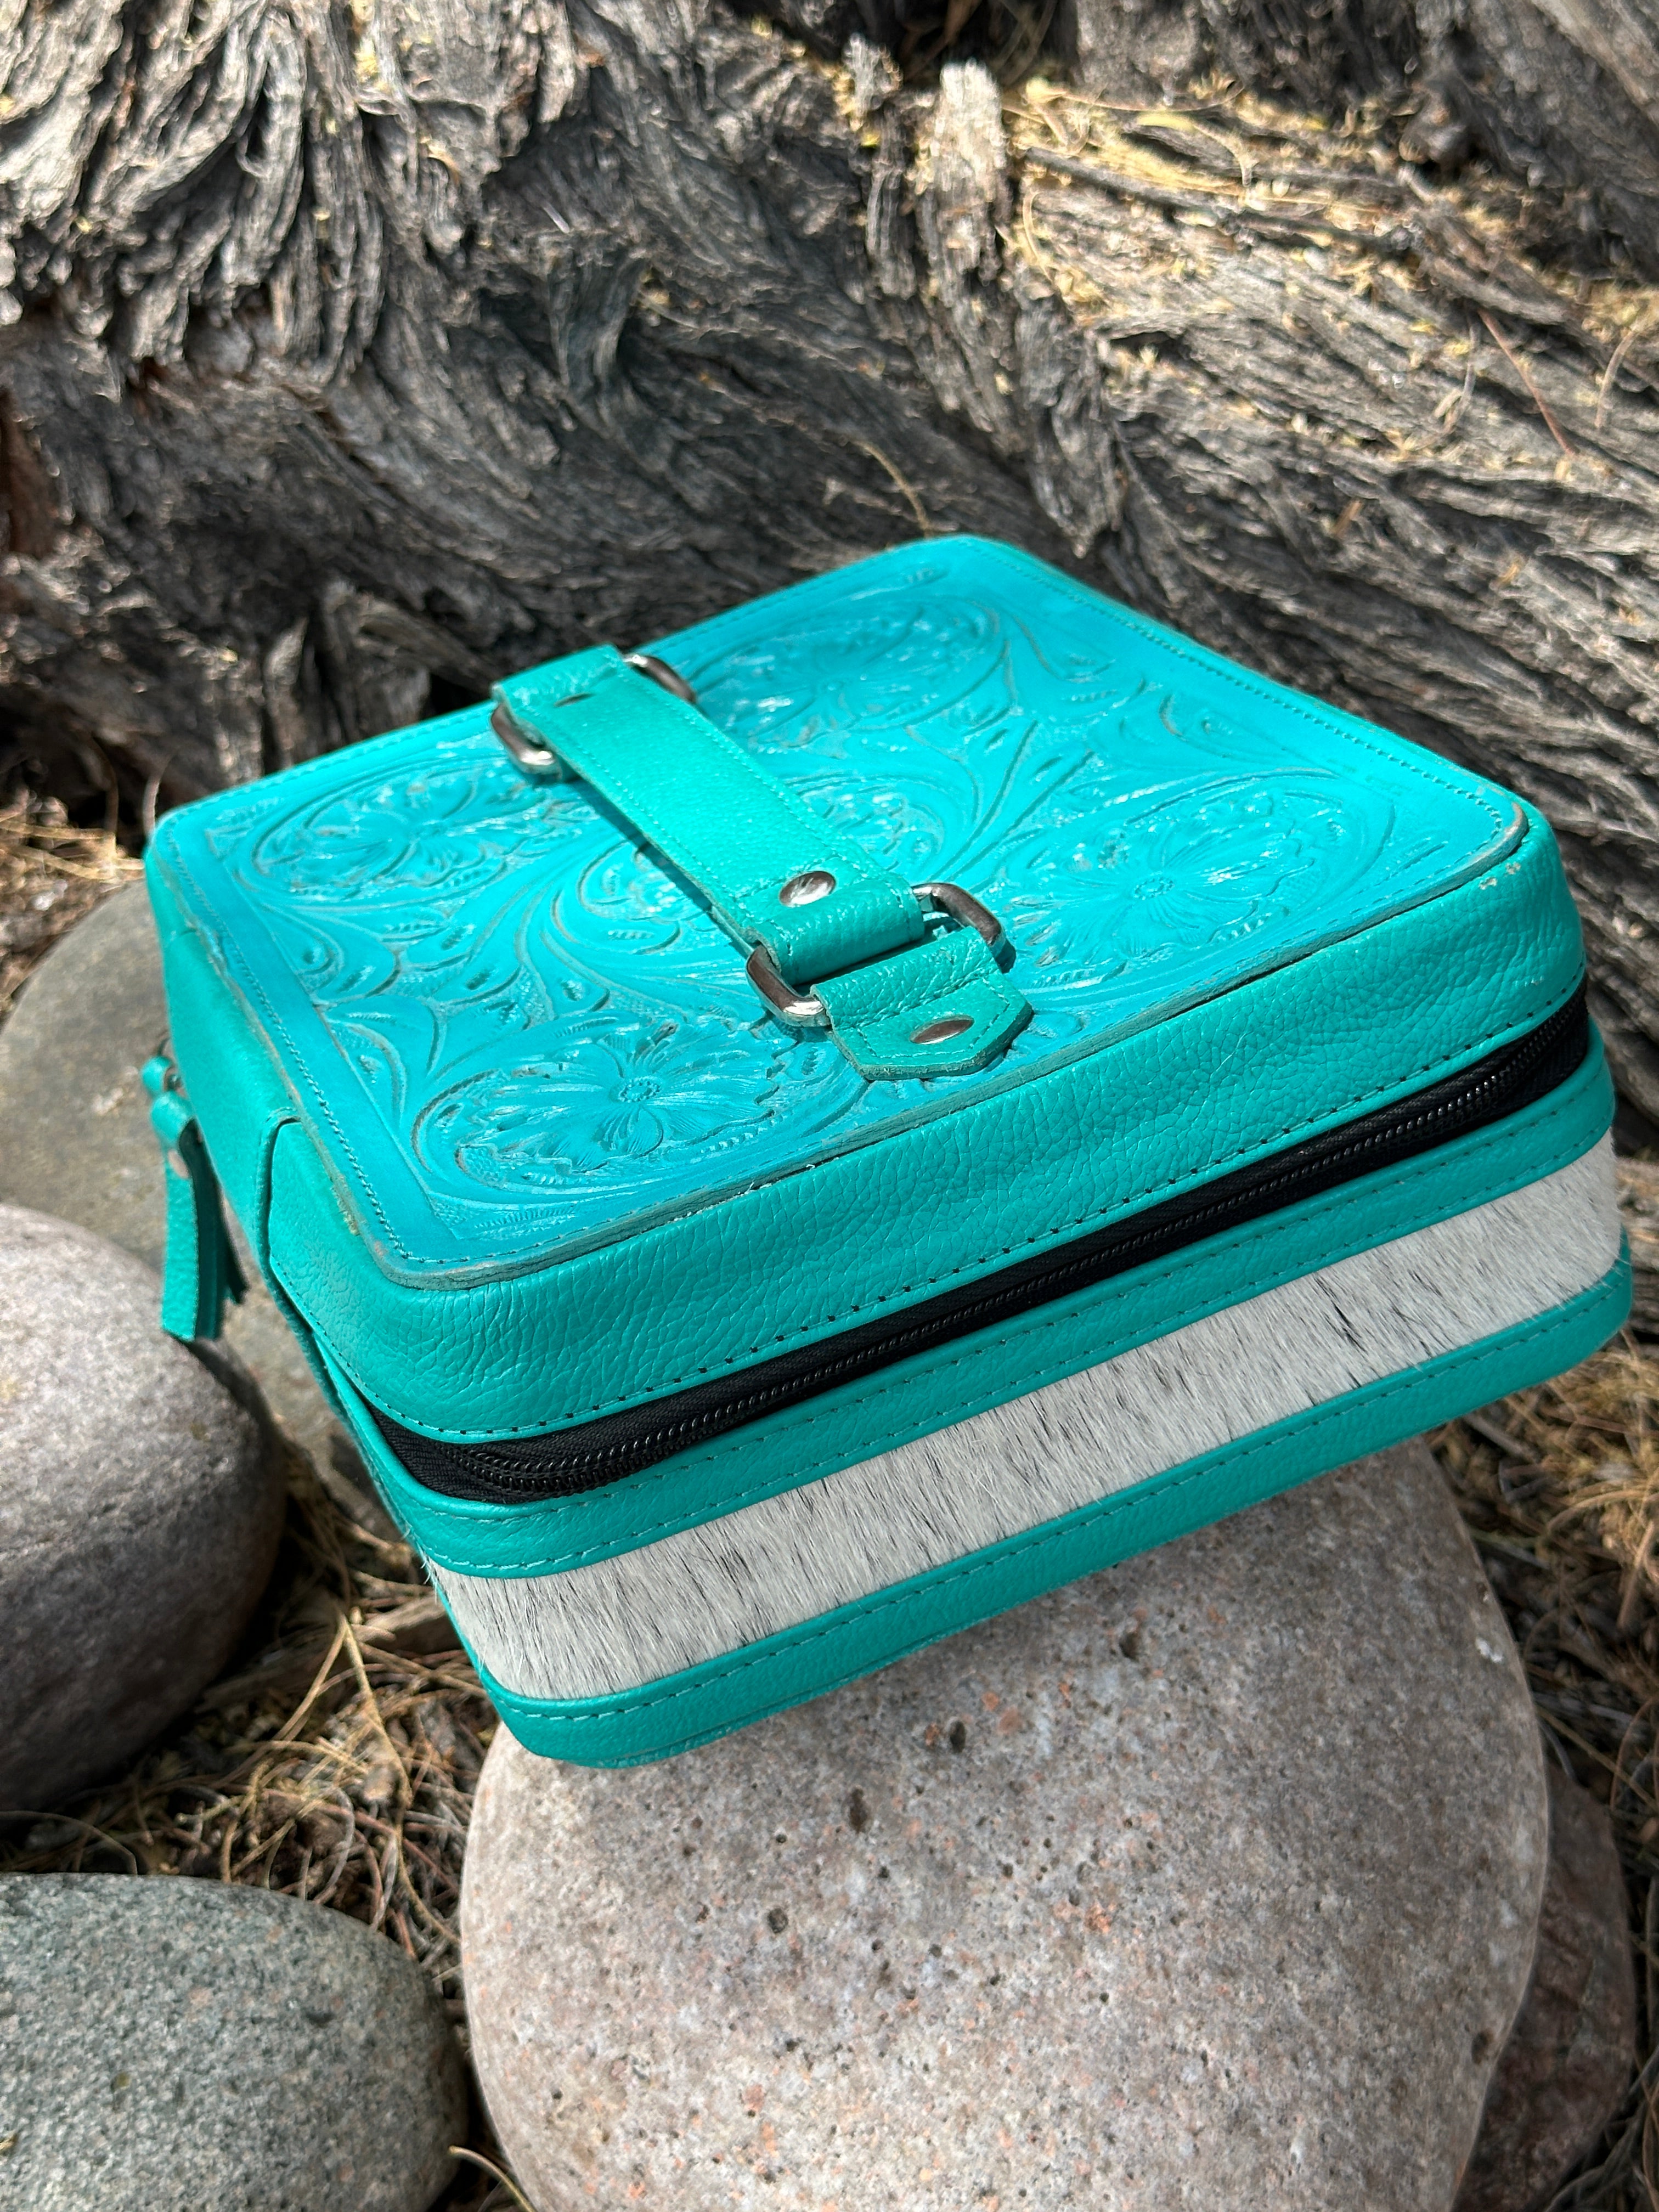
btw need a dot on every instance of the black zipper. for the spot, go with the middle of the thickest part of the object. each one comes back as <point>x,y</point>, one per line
<point>567,1461</point>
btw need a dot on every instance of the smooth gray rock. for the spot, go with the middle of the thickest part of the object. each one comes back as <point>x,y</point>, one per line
<point>1210,1881</point>
<point>78,1144</point>
<point>140,1510</point>
<point>169,2045</point>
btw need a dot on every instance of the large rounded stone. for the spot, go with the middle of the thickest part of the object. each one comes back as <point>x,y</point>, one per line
<point>167,2045</point>
<point>140,1509</point>
<point>79,1145</point>
<point>78,1142</point>
<point>1210,1881</point>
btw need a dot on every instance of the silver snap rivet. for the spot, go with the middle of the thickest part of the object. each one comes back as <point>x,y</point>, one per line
<point>947,1026</point>
<point>811,884</point>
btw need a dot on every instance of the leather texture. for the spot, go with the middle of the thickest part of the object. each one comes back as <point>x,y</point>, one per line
<point>629,1620</point>
<point>1310,1047</point>
<point>202,1273</point>
<point>514,1036</point>
<point>890,1018</point>
<point>633,1728</point>
<point>955,1381</point>
<point>218,1037</point>
<point>744,838</point>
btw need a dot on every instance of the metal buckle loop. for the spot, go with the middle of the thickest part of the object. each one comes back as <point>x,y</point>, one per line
<point>541,760</point>
<point>806,1010</point>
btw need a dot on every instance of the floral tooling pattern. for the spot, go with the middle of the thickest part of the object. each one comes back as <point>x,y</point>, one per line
<point>558,1039</point>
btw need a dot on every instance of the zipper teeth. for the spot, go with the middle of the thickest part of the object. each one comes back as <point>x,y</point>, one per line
<point>962,1320</point>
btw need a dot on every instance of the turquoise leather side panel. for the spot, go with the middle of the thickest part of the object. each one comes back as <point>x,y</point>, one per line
<point>946,1385</point>
<point>634,1727</point>
<point>515,1037</point>
<point>243,1102</point>
<point>1310,1046</point>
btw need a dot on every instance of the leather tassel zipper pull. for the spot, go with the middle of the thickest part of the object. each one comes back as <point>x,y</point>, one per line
<point>202,1270</point>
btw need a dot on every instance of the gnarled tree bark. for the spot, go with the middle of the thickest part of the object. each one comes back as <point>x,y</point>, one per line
<point>1561,95</point>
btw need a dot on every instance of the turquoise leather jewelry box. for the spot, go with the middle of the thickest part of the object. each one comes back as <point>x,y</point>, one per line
<point>786,1144</point>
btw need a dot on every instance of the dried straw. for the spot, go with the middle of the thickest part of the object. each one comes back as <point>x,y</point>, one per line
<point>51,874</point>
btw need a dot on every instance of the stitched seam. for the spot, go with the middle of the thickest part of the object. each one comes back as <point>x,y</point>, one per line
<point>1027,1327</point>
<point>1128,1204</point>
<point>1089,1517</point>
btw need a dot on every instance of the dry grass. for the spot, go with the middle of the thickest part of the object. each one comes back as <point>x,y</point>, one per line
<point>328,1764</point>
<point>51,874</point>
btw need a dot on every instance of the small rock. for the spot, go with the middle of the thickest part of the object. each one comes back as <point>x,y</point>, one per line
<point>1210,1881</point>
<point>140,1510</point>
<point>79,1145</point>
<point>170,2044</point>
<point>1570,2055</point>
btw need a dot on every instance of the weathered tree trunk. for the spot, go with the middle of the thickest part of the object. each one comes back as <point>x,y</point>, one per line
<point>1394,467</point>
<point>353,363</point>
<point>1562,95</point>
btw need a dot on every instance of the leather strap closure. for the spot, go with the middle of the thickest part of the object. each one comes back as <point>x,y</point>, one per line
<point>201,1270</point>
<point>833,936</point>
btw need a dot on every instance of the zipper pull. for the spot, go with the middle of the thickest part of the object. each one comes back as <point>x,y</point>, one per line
<point>201,1269</point>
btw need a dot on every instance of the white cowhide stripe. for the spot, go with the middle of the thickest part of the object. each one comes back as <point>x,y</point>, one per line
<point>625,1621</point>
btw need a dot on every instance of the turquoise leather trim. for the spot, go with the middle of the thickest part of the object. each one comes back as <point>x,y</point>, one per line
<point>515,1037</point>
<point>634,1727</point>
<point>920,1396</point>
<point>887,1017</point>
<point>248,1101</point>
<point>740,836</point>
<point>200,1274</point>
<point>239,1099</point>
<point>1309,1048</point>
